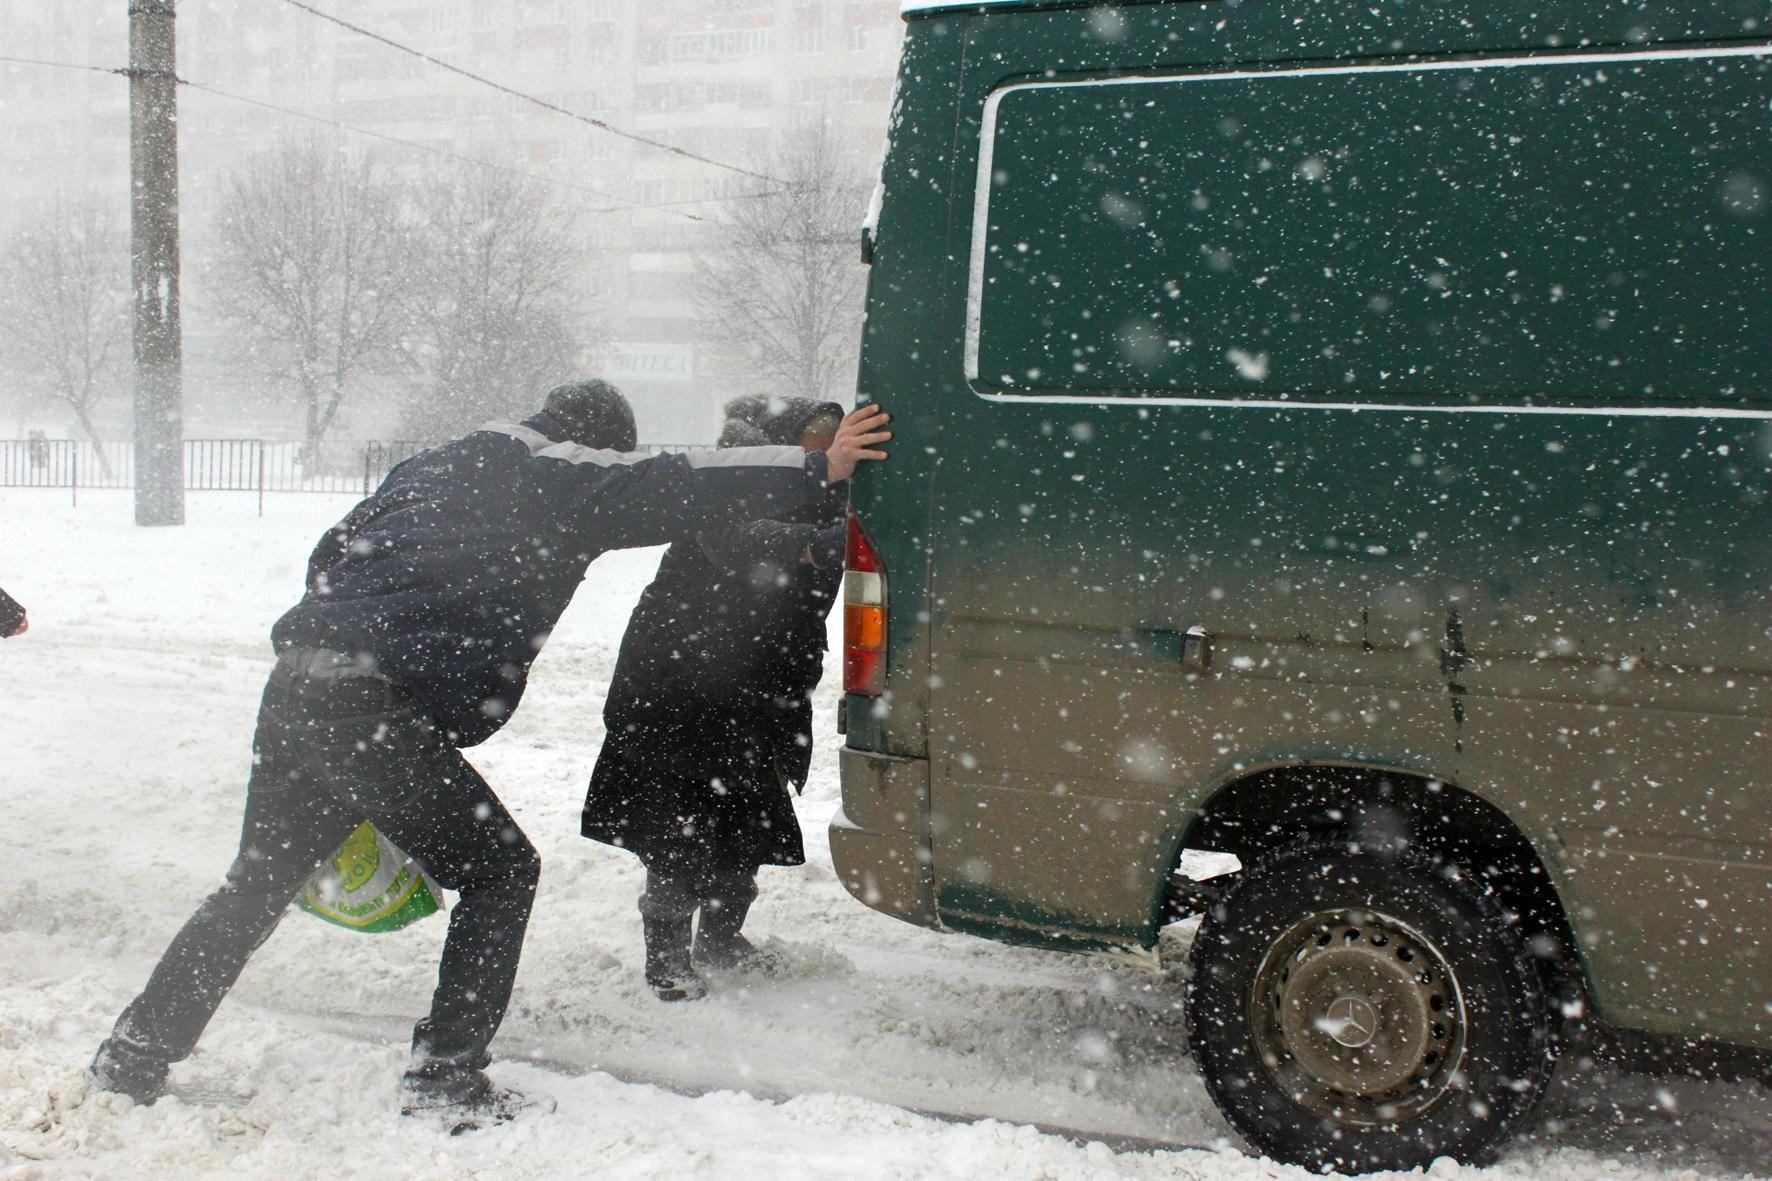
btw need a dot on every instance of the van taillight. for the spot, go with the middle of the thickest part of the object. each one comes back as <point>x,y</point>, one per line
<point>864,614</point>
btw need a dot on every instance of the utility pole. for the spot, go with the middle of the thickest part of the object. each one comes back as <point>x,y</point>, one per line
<point>153,174</point>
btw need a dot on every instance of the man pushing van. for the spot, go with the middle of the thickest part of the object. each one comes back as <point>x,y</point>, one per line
<point>425,608</point>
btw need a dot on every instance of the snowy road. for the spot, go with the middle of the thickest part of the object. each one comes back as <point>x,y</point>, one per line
<point>128,714</point>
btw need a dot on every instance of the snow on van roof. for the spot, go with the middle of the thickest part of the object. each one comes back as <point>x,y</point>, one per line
<point>912,7</point>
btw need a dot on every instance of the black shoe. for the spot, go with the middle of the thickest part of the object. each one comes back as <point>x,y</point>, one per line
<point>718,944</point>
<point>124,1071</point>
<point>466,1107</point>
<point>669,971</point>
<point>735,953</point>
<point>677,985</point>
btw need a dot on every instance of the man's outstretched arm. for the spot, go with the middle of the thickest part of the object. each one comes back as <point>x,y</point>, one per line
<point>627,499</point>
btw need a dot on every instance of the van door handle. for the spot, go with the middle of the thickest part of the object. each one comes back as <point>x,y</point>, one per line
<point>1363,549</point>
<point>1196,649</point>
<point>1192,649</point>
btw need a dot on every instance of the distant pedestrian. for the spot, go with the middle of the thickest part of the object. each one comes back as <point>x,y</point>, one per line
<point>12,617</point>
<point>709,716</point>
<point>425,608</point>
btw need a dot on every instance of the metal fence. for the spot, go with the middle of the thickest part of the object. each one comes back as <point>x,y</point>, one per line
<point>213,465</point>
<point>210,465</point>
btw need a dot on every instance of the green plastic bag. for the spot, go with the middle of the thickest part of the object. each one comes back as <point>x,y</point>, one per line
<point>370,885</point>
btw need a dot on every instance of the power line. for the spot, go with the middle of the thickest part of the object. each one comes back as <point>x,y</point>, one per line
<point>600,124</point>
<point>32,61</point>
<point>624,203</point>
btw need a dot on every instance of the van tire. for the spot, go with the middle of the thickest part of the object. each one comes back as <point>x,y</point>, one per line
<point>1358,1010</point>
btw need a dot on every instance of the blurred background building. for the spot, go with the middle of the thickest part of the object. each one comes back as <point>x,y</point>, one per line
<point>725,81</point>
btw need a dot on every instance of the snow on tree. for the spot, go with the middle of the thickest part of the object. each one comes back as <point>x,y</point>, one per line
<point>64,307</point>
<point>782,286</point>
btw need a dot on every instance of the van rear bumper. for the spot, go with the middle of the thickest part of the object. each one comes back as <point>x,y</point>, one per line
<point>878,844</point>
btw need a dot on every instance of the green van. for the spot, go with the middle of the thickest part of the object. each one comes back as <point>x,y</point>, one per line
<point>1336,434</point>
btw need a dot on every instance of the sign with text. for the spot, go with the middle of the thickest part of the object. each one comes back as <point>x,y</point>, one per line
<point>673,363</point>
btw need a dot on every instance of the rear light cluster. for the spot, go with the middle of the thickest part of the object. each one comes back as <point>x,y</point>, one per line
<point>864,614</point>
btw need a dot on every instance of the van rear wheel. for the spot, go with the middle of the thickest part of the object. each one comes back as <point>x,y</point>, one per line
<point>1358,1011</point>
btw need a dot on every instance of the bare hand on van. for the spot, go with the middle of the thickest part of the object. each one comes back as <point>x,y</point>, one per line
<point>858,436</point>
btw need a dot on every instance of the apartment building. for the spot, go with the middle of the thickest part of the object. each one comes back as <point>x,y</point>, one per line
<point>720,79</point>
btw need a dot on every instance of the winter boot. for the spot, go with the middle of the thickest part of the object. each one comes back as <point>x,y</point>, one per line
<point>123,1068</point>
<point>666,912</point>
<point>718,944</point>
<point>464,1100</point>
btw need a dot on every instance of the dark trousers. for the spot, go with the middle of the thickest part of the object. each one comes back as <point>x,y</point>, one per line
<point>676,888</point>
<point>335,746</point>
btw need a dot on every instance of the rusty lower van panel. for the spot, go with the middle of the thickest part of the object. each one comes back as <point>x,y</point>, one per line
<point>1064,781</point>
<point>1659,846</point>
<point>879,840</point>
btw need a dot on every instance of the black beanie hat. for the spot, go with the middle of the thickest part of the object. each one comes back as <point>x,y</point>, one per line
<point>782,421</point>
<point>594,414</point>
<point>738,433</point>
<point>800,415</point>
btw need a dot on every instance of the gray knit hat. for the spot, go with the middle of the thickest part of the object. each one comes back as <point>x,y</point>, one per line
<point>593,413</point>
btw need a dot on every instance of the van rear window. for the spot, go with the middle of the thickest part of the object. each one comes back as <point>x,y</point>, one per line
<point>1586,229</point>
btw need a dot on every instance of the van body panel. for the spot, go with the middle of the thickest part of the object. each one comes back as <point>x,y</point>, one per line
<point>1525,549</point>
<point>1397,228</point>
<point>879,840</point>
<point>1519,648</point>
<point>910,364</point>
<point>1666,866</point>
<point>882,869</point>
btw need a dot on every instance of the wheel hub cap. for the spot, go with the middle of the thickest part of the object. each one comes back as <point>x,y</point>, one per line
<point>1359,1018</point>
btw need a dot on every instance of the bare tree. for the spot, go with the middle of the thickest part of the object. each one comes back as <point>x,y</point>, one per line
<point>499,314</point>
<point>64,307</point>
<point>783,287</point>
<point>314,263</point>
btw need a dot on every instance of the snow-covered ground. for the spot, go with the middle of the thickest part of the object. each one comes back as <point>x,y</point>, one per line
<point>887,1052</point>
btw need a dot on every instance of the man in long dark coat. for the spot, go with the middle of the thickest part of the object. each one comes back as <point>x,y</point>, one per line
<point>709,716</point>
<point>425,608</point>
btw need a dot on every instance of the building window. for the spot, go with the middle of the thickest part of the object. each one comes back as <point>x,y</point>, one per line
<point>719,44</point>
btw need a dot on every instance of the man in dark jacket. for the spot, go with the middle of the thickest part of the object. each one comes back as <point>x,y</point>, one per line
<point>709,717</point>
<point>425,608</point>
